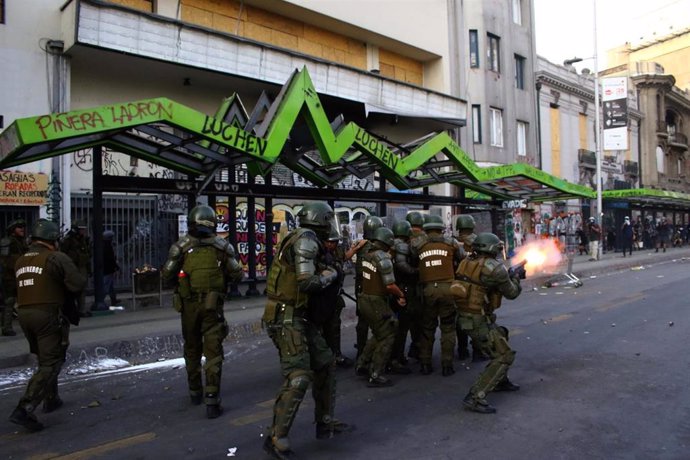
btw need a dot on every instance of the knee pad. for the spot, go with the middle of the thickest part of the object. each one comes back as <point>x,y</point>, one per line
<point>299,381</point>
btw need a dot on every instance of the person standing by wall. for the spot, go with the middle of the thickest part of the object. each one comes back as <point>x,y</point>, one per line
<point>594,236</point>
<point>78,247</point>
<point>45,276</point>
<point>203,263</point>
<point>11,247</point>
<point>663,231</point>
<point>627,235</point>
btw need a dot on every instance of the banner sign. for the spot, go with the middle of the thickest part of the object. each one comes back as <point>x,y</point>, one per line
<point>615,99</point>
<point>23,189</point>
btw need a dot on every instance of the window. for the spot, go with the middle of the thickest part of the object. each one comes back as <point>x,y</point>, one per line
<point>519,72</point>
<point>493,53</point>
<point>496,122</point>
<point>517,12</point>
<point>521,138</point>
<point>2,11</point>
<point>477,124</point>
<point>474,49</point>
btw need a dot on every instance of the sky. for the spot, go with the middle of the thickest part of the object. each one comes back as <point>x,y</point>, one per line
<point>565,28</point>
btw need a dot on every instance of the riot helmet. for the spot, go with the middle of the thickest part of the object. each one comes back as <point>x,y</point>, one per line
<point>202,221</point>
<point>402,228</point>
<point>318,216</point>
<point>487,243</point>
<point>415,218</point>
<point>14,224</point>
<point>384,235</point>
<point>78,224</point>
<point>433,222</point>
<point>371,223</point>
<point>464,222</point>
<point>45,230</point>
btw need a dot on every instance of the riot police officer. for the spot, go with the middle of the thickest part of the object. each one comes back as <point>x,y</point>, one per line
<point>77,246</point>
<point>11,247</point>
<point>305,357</point>
<point>378,283</point>
<point>407,278</point>
<point>371,223</point>
<point>45,277</point>
<point>486,281</point>
<point>203,264</point>
<point>414,299</point>
<point>464,225</point>
<point>437,257</point>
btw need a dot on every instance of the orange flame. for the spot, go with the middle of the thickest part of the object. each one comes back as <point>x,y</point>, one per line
<point>540,255</point>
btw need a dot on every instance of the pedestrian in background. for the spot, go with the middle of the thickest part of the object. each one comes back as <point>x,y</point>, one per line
<point>11,247</point>
<point>110,267</point>
<point>202,263</point>
<point>627,236</point>
<point>78,247</point>
<point>594,236</point>
<point>663,231</point>
<point>45,276</point>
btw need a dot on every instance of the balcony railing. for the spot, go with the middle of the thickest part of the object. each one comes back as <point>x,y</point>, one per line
<point>630,167</point>
<point>678,138</point>
<point>587,157</point>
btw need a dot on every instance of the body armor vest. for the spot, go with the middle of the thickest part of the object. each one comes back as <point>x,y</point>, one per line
<point>281,284</point>
<point>372,284</point>
<point>436,262</point>
<point>203,267</point>
<point>34,285</point>
<point>470,271</point>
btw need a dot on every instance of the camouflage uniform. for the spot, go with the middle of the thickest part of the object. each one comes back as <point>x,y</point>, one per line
<point>486,281</point>
<point>203,264</point>
<point>44,277</point>
<point>11,247</point>
<point>305,357</point>
<point>437,257</point>
<point>378,281</point>
<point>78,247</point>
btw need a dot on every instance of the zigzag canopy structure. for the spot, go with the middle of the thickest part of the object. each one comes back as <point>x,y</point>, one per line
<point>172,135</point>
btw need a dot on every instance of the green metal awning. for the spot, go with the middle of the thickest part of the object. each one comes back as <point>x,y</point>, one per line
<point>649,197</point>
<point>177,137</point>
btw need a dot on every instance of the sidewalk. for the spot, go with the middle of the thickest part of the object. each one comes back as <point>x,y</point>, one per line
<point>151,333</point>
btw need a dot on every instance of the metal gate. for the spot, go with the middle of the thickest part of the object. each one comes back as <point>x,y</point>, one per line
<point>10,213</point>
<point>143,235</point>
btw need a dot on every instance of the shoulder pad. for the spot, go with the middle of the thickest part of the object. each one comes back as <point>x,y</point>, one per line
<point>379,255</point>
<point>223,246</point>
<point>418,241</point>
<point>186,243</point>
<point>495,271</point>
<point>402,247</point>
<point>307,245</point>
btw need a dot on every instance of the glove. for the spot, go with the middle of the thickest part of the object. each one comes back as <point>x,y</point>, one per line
<point>328,276</point>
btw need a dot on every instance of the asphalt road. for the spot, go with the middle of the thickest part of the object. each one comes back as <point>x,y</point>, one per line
<point>603,370</point>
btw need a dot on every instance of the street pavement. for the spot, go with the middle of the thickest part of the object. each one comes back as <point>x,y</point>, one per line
<point>151,333</point>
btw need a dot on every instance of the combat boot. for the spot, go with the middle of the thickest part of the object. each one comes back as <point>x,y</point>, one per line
<point>447,370</point>
<point>26,419</point>
<point>379,381</point>
<point>395,367</point>
<point>52,404</point>
<point>361,371</point>
<point>506,385</point>
<point>278,449</point>
<point>214,410</point>
<point>426,369</point>
<point>327,430</point>
<point>476,404</point>
<point>343,361</point>
<point>196,399</point>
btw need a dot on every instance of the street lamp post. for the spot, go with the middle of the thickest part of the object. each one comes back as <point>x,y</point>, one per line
<point>597,128</point>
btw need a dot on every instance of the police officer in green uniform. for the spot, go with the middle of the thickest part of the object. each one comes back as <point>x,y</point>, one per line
<point>414,295</point>
<point>486,281</point>
<point>77,246</point>
<point>11,247</point>
<point>407,277</point>
<point>335,257</point>
<point>305,357</point>
<point>464,225</point>
<point>203,264</point>
<point>44,277</point>
<point>371,223</point>
<point>437,257</point>
<point>378,283</point>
